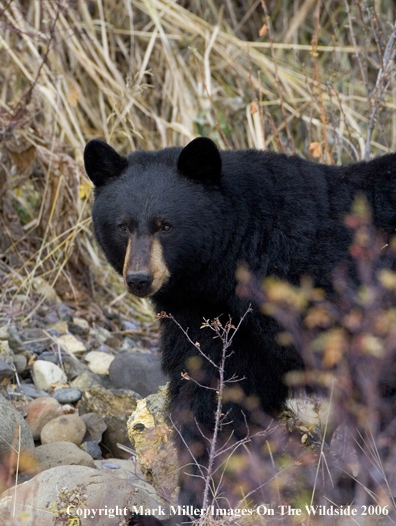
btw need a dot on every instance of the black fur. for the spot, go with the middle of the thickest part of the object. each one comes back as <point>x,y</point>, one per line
<point>277,215</point>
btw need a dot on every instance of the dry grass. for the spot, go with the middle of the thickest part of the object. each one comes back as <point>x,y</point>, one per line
<point>155,73</point>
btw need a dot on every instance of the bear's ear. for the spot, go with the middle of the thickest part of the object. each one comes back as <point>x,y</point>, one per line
<point>102,162</point>
<point>200,160</point>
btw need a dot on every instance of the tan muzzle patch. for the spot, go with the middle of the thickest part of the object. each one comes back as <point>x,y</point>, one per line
<point>144,255</point>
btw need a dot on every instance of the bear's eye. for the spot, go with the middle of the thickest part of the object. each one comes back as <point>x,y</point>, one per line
<point>122,228</point>
<point>166,227</point>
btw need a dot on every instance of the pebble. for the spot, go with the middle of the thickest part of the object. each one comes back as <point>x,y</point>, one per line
<point>67,395</point>
<point>129,325</point>
<point>99,362</point>
<point>65,313</point>
<point>71,344</point>
<point>14,339</point>
<point>20,362</point>
<point>30,390</point>
<point>110,465</point>
<point>4,347</point>
<point>6,371</point>
<point>36,340</point>
<point>66,428</point>
<point>47,375</point>
<point>51,317</point>
<point>92,448</point>
<point>49,356</point>
<point>40,412</point>
<point>87,379</point>
<point>95,425</point>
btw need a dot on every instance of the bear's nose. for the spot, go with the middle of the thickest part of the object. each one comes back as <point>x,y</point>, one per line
<point>139,282</point>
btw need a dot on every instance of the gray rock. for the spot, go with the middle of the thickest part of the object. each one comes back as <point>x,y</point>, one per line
<point>120,468</point>
<point>58,487</point>
<point>72,366</point>
<point>6,371</point>
<point>66,428</point>
<point>10,421</point>
<point>67,395</point>
<point>51,317</point>
<point>92,448</point>
<point>35,340</point>
<point>95,425</point>
<point>76,329</point>
<point>62,454</point>
<point>20,362</point>
<point>65,313</point>
<point>32,391</point>
<point>14,339</point>
<point>128,325</point>
<point>49,356</point>
<point>140,372</point>
<point>88,379</point>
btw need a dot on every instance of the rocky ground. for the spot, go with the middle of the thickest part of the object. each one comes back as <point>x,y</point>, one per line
<point>67,387</point>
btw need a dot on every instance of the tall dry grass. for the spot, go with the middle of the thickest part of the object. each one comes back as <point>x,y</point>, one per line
<point>307,77</point>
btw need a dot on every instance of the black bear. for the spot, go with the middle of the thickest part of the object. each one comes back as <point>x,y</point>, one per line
<point>177,223</point>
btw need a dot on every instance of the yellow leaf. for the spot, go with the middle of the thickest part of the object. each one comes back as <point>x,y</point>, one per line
<point>316,149</point>
<point>263,30</point>
<point>84,190</point>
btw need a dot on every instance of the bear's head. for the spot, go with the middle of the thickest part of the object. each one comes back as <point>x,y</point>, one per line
<point>156,214</point>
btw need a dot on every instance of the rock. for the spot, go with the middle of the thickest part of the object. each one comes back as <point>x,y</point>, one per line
<point>14,339</point>
<point>92,448</point>
<point>73,366</point>
<point>150,434</point>
<point>79,326</point>
<point>31,391</point>
<point>10,421</point>
<point>128,344</point>
<point>81,323</point>
<point>65,313</point>
<point>120,468</point>
<point>88,379</point>
<point>47,375</point>
<point>49,356</point>
<point>71,344</point>
<point>62,454</point>
<point>58,328</point>
<point>66,428</point>
<point>51,317</point>
<point>40,412</point>
<point>128,325</point>
<point>113,405</point>
<point>20,362</point>
<point>59,487</point>
<point>4,347</point>
<point>95,426</point>
<point>6,372</point>
<point>102,334</point>
<point>99,362</point>
<point>35,340</point>
<point>67,395</point>
<point>4,332</point>
<point>140,372</point>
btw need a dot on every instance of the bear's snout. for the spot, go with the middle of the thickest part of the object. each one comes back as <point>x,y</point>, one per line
<point>139,283</point>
